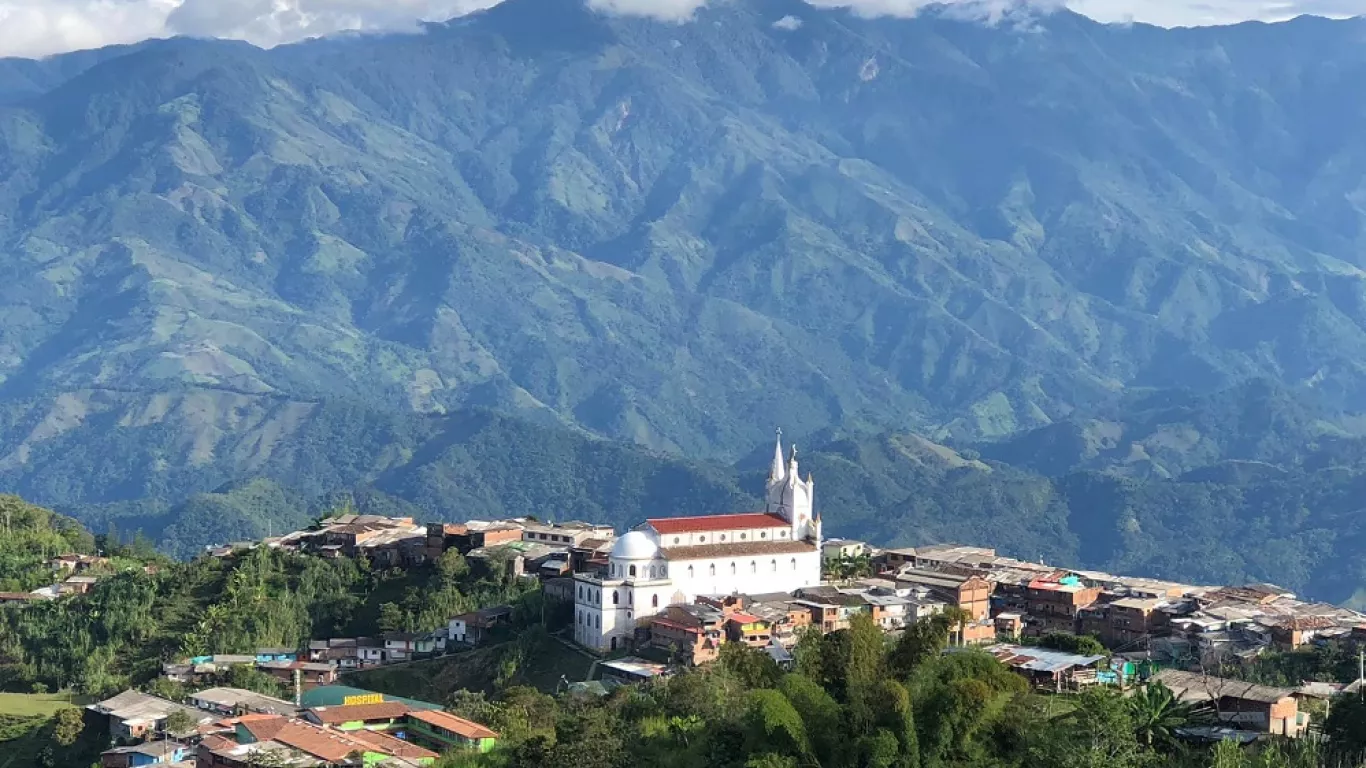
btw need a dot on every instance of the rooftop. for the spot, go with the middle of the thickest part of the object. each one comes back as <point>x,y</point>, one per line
<point>457,725</point>
<point>388,710</point>
<point>700,524</point>
<point>1190,686</point>
<point>250,700</point>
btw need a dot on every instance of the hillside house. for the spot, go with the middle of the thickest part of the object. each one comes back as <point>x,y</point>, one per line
<point>475,628</point>
<point>153,753</point>
<point>1243,705</point>
<point>232,702</point>
<point>136,715</point>
<point>1047,669</point>
<point>443,731</point>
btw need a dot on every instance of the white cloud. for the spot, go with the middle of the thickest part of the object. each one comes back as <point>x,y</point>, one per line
<point>788,23</point>
<point>39,27</point>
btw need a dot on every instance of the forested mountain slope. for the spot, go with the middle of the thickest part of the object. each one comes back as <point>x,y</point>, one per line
<point>682,234</point>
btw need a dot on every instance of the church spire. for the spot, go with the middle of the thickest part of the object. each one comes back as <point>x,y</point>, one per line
<point>777,472</point>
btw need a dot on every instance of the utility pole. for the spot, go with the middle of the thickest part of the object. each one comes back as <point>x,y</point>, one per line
<point>1361,674</point>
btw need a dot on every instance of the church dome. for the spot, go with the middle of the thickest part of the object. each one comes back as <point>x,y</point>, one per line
<point>636,545</point>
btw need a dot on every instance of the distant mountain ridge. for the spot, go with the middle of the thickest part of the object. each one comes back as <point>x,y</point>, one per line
<point>681,235</point>
<point>1065,276</point>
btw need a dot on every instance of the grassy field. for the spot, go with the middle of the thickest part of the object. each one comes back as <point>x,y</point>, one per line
<point>37,704</point>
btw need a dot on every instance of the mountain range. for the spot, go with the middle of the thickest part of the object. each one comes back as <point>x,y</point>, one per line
<point>1042,249</point>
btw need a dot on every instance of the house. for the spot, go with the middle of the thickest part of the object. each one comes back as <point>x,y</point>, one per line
<point>400,646</point>
<point>1009,625</point>
<point>569,535</point>
<point>77,585</point>
<point>970,594</point>
<point>136,715</point>
<point>465,537</point>
<point>231,702</point>
<point>73,563</point>
<point>1240,704</point>
<point>686,642</point>
<point>254,736</point>
<point>307,673</point>
<point>1048,669</point>
<point>559,589</point>
<point>147,753</point>
<point>748,629</point>
<point>443,731</point>
<point>476,627</point>
<point>842,549</point>
<point>1121,623</point>
<point>1054,604</point>
<point>384,715</point>
<point>276,654</point>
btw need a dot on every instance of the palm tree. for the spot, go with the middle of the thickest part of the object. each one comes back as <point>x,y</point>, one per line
<point>1158,713</point>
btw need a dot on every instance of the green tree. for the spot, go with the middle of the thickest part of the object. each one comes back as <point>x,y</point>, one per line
<point>1157,713</point>
<point>920,641</point>
<point>451,566</point>
<point>773,725</point>
<point>68,725</point>
<point>863,669</point>
<point>1345,729</point>
<point>752,667</point>
<point>392,618</point>
<point>820,713</point>
<point>179,723</point>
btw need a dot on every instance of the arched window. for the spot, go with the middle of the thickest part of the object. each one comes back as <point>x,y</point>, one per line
<point>753,567</point>
<point>677,540</point>
<point>775,566</point>
<point>580,591</point>
<point>713,569</point>
<point>614,643</point>
<point>732,569</point>
<point>783,534</point>
<point>597,622</point>
<point>630,597</point>
<point>616,598</point>
<point>633,571</point>
<point>690,571</point>
<point>654,601</point>
<point>794,563</point>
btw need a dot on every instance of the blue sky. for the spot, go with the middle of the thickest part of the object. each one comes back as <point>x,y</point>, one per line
<point>41,27</point>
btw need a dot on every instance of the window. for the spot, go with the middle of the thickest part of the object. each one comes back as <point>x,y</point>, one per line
<point>630,597</point>
<point>677,540</point>
<point>713,569</point>
<point>633,571</point>
<point>763,534</point>
<point>701,539</point>
<point>794,563</point>
<point>597,622</point>
<point>732,569</point>
<point>783,534</point>
<point>654,601</point>
<point>775,566</point>
<point>616,598</point>
<point>744,536</point>
<point>690,571</point>
<point>614,643</point>
<point>723,537</point>
<point>580,591</point>
<point>753,567</point>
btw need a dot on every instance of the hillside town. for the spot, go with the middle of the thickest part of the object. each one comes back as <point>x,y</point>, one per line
<point>673,592</point>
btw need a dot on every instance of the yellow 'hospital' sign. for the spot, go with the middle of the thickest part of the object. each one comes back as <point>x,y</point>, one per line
<point>368,698</point>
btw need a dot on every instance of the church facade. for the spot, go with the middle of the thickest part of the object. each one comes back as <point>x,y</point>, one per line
<point>668,561</point>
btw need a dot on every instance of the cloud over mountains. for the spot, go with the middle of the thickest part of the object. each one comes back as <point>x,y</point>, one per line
<point>41,27</point>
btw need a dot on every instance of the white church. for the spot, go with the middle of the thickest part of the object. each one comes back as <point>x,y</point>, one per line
<point>673,560</point>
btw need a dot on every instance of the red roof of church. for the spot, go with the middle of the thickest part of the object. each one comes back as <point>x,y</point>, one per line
<point>669,525</point>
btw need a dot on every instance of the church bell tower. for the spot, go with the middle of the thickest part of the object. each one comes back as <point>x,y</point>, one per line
<point>791,497</point>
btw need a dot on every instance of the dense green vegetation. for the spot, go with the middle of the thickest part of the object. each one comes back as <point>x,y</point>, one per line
<point>856,699</point>
<point>29,537</point>
<point>119,634</point>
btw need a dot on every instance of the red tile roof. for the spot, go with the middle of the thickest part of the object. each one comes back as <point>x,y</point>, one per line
<point>744,618</point>
<point>388,710</point>
<point>383,742</point>
<point>672,525</point>
<point>457,725</point>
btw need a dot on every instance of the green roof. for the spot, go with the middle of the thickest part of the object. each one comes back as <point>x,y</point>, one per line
<point>334,695</point>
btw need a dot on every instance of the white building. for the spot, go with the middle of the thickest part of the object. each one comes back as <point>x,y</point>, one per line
<point>669,561</point>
